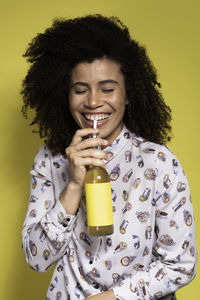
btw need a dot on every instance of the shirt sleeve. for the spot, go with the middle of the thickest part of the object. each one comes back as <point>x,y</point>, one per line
<point>47,228</point>
<point>174,248</point>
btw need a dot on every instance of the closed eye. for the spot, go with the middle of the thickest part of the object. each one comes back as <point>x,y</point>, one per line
<point>108,90</point>
<point>80,92</point>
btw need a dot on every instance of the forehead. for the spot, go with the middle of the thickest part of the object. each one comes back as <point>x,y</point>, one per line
<point>99,69</point>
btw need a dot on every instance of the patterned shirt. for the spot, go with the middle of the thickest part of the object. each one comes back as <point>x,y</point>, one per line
<point>152,251</point>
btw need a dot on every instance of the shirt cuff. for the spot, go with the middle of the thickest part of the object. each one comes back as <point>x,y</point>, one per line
<point>60,218</point>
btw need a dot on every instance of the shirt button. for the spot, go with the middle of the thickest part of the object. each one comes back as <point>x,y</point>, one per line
<point>90,262</point>
<point>68,219</point>
<point>64,225</point>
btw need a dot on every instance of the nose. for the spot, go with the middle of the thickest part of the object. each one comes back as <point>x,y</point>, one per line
<point>94,100</point>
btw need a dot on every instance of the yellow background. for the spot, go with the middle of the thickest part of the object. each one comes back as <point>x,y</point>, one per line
<point>170,30</point>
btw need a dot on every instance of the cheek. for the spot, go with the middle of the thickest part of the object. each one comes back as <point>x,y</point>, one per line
<point>73,104</point>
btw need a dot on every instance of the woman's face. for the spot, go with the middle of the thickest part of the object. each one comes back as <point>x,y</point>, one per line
<point>97,91</point>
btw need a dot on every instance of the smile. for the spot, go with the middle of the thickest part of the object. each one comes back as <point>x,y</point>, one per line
<point>98,117</point>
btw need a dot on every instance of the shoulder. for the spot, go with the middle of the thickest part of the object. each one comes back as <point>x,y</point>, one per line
<point>44,161</point>
<point>156,155</point>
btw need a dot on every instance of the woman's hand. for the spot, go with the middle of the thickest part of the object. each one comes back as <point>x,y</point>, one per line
<point>81,153</point>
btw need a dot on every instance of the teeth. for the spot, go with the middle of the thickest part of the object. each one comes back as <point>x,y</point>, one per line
<point>96,117</point>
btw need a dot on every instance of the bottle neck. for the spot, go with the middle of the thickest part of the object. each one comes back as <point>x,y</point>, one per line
<point>96,136</point>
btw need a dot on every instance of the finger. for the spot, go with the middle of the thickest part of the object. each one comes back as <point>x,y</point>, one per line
<point>90,143</point>
<point>83,162</point>
<point>80,133</point>
<point>95,153</point>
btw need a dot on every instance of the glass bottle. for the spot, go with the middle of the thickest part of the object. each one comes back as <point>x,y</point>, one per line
<point>98,200</point>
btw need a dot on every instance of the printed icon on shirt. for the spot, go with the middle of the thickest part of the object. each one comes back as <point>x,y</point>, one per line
<point>42,236</point>
<point>56,164</point>
<point>179,204</point>
<point>178,280</point>
<point>185,244</point>
<point>148,150</point>
<point>166,240</point>
<point>136,241</point>
<point>115,173</point>
<point>77,290</point>
<point>115,277</point>
<point>127,176</point>
<point>127,207</point>
<point>158,295</point>
<point>47,204</point>
<point>138,267</point>
<point>156,198</point>
<point>46,254</point>
<point>146,251</point>
<point>192,251</point>
<point>42,165</point>
<point>33,199</point>
<point>136,182</point>
<point>64,176</point>
<point>123,226</point>
<point>187,217</point>
<point>71,254</point>
<point>84,237</point>
<point>175,166</point>
<point>141,284</point>
<point>125,195</point>
<point>108,264</point>
<point>30,227</point>
<point>150,174</point>
<point>128,156</point>
<point>181,186</point>
<point>108,244</point>
<point>148,232</point>
<point>140,161</point>
<point>166,181</point>
<point>94,273</point>
<point>33,248</point>
<point>173,225</point>
<point>145,195</point>
<point>134,289</point>
<point>60,268</point>
<point>58,295</point>
<point>121,246</point>
<point>60,217</point>
<point>136,142</point>
<point>161,156</point>
<point>110,155</point>
<point>114,195</point>
<point>166,198</point>
<point>89,256</point>
<point>161,214</point>
<point>160,274</point>
<point>127,135</point>
<point>142,216</point>
<point>33,182</point>
<point>33,213</point>
<point>126,260</point>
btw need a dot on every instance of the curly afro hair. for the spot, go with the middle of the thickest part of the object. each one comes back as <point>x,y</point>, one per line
<point>55,52</point>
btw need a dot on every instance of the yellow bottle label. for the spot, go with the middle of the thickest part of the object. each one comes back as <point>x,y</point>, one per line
<point>99,204</point>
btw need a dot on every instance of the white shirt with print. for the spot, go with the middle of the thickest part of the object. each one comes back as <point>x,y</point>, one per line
<point>152,251</point>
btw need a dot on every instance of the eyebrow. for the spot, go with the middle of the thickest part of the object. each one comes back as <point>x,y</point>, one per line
<point>102,82</point>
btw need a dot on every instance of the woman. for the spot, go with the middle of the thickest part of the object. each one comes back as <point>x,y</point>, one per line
<point>90,68</point>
